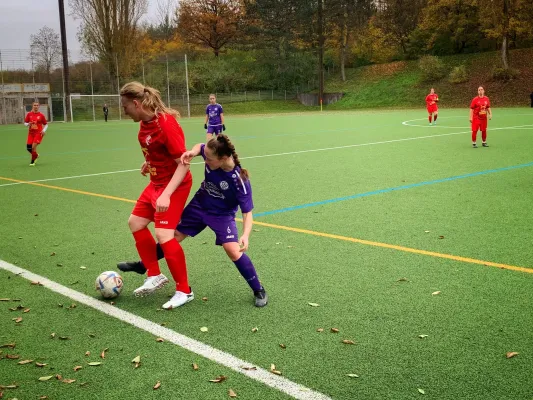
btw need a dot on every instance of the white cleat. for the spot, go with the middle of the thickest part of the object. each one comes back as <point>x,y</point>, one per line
<point>150,285</point>
<point>178,299</point>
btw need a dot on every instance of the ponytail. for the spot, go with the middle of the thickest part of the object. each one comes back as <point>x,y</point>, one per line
<point>222,146</point>
<point>149,97</point>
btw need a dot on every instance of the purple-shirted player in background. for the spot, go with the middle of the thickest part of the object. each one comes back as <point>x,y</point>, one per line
<point>225,188</point>
<point>214,118</point>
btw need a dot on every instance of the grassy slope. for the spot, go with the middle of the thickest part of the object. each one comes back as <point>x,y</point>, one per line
<point>399,84</point>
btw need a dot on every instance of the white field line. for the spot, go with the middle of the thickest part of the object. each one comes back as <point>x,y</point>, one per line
<point>227,360</point>
<point>280,154</point>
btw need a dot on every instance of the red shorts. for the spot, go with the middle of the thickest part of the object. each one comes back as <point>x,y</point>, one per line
<point>145,206</point>
<point>432,109</point>
<point>36,138</point>
<point>479,124</point>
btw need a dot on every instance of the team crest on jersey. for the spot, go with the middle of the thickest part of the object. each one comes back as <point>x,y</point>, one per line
<point>224,185</point>
<point>233,176</point>
<point>148,140</point>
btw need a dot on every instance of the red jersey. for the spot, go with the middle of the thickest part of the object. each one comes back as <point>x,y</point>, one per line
<point>36,120</point>
<point>162,142</point>
<point>431,99</point>
<point>480,105</point>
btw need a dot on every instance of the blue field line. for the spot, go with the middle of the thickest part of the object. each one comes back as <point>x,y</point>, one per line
<point>381,191</point>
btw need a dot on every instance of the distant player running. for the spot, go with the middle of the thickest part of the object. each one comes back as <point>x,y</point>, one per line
<point>431,104</point>
<point>37,126</point>
<point>479,110</point>
<point>226,186</point>
<point>163,143</point>
<point>214,118</point>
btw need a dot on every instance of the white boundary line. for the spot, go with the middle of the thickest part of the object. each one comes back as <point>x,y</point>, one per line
<point>227,360</point>
<point>284,154</point>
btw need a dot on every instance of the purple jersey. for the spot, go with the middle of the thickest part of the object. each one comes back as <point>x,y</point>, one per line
<point>214,111</point>
<point>222,192</point>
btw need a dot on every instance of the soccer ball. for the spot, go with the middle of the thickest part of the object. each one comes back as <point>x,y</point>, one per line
<point>109,284</point>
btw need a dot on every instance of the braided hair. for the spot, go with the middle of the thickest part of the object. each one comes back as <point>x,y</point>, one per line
<point>221,146</point>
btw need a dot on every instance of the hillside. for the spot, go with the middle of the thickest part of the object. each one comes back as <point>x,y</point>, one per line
<point>399,84</point>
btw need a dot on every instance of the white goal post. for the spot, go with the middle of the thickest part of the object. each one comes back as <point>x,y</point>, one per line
<point>89,107</point>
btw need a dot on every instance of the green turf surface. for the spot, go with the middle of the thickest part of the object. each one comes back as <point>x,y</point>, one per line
<point>481,313</point>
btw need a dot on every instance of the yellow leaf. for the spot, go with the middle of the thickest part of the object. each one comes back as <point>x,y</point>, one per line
<point>46,378</point>
<point>231,393</point>
<point>218,379</point>
<point>435,293</point>
<point>94,364</point>
<point>87,353</point>
<point>511,354</point>
<point>320,330</point>
<point>276,372</point>
<point>195,366</point>
<point>282,346</point>
<point>136,359</point>
<point>203,329</point>
<point>160,340</point>
<point>334,330</point>
<point>27,310</point>
<point>40,364</point>
<point>69,380</point>
<point>254,330</point>
<point>157,385</point>
<point>346,341</point>
<point>24,362</point>
<point>353,375</point>
<point>77,368</point>
<point>314,304</point>
<point>272,367</point>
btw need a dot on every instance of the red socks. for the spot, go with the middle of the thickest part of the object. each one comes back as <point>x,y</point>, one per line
<point>474,136</point>
<point>429,119</point>
<point>484,136</point>
<point>176,264</point>
<point>145,243</point>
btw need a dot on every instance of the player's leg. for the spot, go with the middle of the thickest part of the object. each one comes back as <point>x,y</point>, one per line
<point>430,116</point>
<point>435,115</point>
<point>210,133</point>
<point>475,127</point>
<point>483,128</point>
<point>227,235</point>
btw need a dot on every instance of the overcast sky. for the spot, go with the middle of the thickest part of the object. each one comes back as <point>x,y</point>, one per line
<point>19,19</point>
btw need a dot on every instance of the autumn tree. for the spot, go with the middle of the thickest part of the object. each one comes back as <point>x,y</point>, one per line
<point>210,23</point>
<point>110,31</point>
<point>45,49</point>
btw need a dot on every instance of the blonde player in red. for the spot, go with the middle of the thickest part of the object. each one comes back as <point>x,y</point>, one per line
<point>479,110</point>
<point>162,201</point>
<point>38,125</point>
<point>431,104</point>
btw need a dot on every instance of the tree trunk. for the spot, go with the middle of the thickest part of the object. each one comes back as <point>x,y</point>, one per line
<point>344,44</point>
<point>320,51</point>
<point>505,58</point>
<point>505,42</point>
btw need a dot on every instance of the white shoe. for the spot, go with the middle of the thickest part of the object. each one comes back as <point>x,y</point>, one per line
<point>150,285</point>
<point>178,299</point>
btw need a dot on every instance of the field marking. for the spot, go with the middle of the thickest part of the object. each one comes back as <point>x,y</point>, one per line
<point>407,123</point>
<point>392,189</point>
<point>261,375</point>
<point>326,235</point>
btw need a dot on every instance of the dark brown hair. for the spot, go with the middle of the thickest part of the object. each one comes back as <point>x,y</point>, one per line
<point>221,146</point>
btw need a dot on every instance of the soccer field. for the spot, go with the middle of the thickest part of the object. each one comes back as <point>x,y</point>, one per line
<point>415,246</point>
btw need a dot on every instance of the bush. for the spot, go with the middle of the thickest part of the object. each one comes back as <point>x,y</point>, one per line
<point>503,74</point>
<point>458,74</point>
<point>432,68</point>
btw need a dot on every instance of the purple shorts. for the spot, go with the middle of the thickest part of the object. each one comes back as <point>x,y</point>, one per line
<point>194,220</point>
<point>216,129</point>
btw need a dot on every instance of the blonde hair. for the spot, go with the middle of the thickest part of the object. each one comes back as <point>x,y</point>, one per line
<point>149,97</point>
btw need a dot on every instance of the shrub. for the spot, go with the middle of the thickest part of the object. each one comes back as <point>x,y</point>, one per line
<point>432,68</point>
<point>504,74</point>
<point>458,74</point>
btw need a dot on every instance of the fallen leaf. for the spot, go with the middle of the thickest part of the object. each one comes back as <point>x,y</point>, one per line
<point>92,335</point>
<point>84,383</point>
<point>94,363</point>
<point>17,320</point>
<point>53,253</point>
<point>278,243</point>
<point>87,353</point>
<point>290,247</point>
<point>9,387</point>
<point>204,298</point>
<point>320,330</point>
<point>69,380</point>
<point>421,391</point>
<point>314,304</point>
<point>27,310</point>
<point>511,354</point>
<point>403,280</point>
<point>256,230</point>
<point>157,385</point>
<point>77,368</point>
<point>102,354</point>
<point>231,393</point>
<point>219,379</point>
<point>10,345</point>
<point>422,336</point>
<point>46,378</point>
<point>12,356</point>
<point>72,306</point>
<point>195,366</point>
<point>64,338</point>
<point>137,365</point>
<point>254,330</point>
<point>5,299</point>
<point>112,303</point>
<point>334,330</point>
<point>59,377</point>
<point>435,293</point>
<point>276,372</point>
<point>59,264</point>
<point>35,283</point>
<point>83,267</point>
<point>25,362</point>
<point>249,368</point>
<point>203,329</point>
<point>43,397</point>
<point>136,359</point>
<point>353,375</point>
<point>440,237</point>
<point>282,346</point>
<point>160,340</point>
<point>40,365</point>
<point>53,335</point>
<point>60,305</point>
<point>346,341</point>
<point>272,367</point>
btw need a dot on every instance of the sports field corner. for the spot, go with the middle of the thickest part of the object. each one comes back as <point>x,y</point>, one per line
<point>397,259</point>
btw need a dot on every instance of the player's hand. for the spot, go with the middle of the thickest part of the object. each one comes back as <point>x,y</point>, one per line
<point>243,243</point>
<point>162,203</point>
<point>205,126</point>
<point>187,157</point>
<point>470,121</point>
<point>144,168</point>
<point>223,127</point>
<point>490,116</point>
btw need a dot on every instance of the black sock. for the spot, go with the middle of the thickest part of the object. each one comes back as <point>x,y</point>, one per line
<point>160,253</point>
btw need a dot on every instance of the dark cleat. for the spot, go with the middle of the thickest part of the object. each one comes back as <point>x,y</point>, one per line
<point>485,145</point>
<point>474,145</point>
<point>261,298</point>
<point>132,266</point>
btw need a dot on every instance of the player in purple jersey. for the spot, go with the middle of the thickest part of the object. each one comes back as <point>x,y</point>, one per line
<point>226,187</point>
<point>214,118</point>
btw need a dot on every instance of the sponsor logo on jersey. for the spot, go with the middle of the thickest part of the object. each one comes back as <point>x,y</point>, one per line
<point>213,190</point>
<point>148,140</point>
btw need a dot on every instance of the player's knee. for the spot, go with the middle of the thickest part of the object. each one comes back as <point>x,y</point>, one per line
<point>232,250</point>
<point>163,235</point>
<point>136,224</point>
<point>29,148</point>
<point>179,236</point>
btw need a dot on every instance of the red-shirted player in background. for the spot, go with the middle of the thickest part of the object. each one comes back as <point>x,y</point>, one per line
<point>38,125</point>
<point>479,109</point>
<point>431,103</point>
<point>162,201</point>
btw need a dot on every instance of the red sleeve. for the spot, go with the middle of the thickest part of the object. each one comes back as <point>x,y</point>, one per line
<point>473,104</point>
<point>174,136</point>
<point>44,119</point>
<point>488,100</point>
<point>27,119</point>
